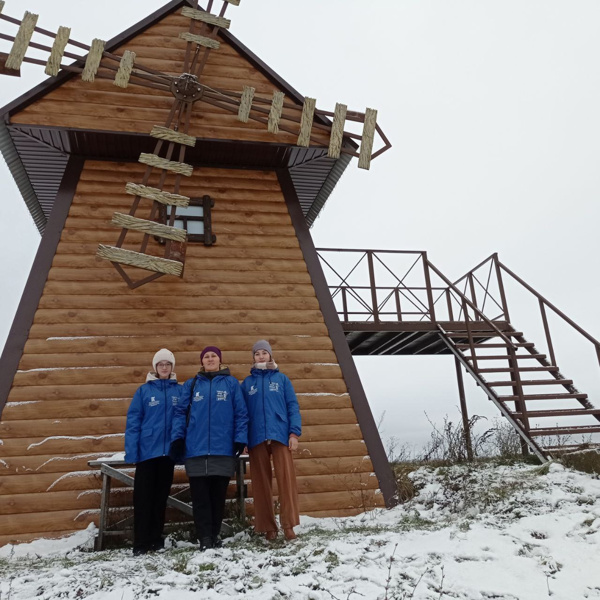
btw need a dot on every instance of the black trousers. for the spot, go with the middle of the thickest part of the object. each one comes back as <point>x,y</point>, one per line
<point>208,504</point>
<point>151,487</point>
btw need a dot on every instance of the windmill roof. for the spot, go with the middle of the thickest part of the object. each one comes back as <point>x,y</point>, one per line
<point>37,155</point>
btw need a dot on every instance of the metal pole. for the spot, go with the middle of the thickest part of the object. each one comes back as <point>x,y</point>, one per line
<point>501,287</point>
<point>428,285</point>
<point>373,288</point>
<point>463,409</point>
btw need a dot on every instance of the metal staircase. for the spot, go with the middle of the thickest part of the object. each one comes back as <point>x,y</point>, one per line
<point>399,303</point>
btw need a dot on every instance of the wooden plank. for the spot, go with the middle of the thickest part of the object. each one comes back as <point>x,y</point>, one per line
<point>52,359</point>
<point>88,444</point>
<point>62,409</point>
<point>49,316</point>
<point>178,303</point>
<point>102,229</point>
<point>58,501</point>
<point>46,482</point>
<point>225,336</point>
<point>150,227</point>
<point>32,446</point>
<point>225,238</point>
<point>368,135</point>
<point>164,133</point>
<point>339,500</point>
<point>172,166</point>
<point>197,186</point>
<point>124,390</point>
<point>320,433</point>
<point>224,216</point>
<point>138,259</point>
<point>44,463</point>
<point>331,449</point>
<point>331,482</point>
<point>50,427</point>
<point>106,274</point>
<point>203,290</point>
<point>333,465</point>
<point>21,43</point>
<point>256,330</point>
<point>95,374</point>
<point>192,262</point>
<point>66,520</point>
<point>154,194</point>
<point>308,111</point>
<point>201,40</point>
<point>204,17</point>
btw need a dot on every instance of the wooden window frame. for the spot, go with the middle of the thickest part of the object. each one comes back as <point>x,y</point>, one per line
<point>208,238</point>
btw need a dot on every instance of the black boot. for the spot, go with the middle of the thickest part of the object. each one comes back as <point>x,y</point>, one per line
<point>217,541</point>
<point>206,543</point>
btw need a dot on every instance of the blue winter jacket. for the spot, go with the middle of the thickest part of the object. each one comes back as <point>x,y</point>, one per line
<point>217,416</point>
<point>272,407</point>
<point>149,419</point>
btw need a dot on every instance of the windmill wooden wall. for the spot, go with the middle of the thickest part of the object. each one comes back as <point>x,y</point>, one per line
<point>92,338</point>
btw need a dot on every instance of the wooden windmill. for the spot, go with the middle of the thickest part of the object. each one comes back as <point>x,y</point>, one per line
<point>256,161</point>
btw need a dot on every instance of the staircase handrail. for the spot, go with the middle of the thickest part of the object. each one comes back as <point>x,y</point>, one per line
<point>469,303</point>
<point>550,305</point>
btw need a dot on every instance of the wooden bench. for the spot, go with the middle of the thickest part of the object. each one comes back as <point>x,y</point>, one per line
<point>110,470</point>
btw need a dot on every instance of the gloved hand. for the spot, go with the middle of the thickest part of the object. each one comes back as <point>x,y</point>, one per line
<point>238,448</point>
<point>177,449</point>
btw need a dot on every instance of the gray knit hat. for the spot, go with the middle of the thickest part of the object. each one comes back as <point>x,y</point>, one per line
<point>262,345</point>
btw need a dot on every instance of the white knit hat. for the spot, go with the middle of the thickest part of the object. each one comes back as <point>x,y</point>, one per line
<point>163,354</point>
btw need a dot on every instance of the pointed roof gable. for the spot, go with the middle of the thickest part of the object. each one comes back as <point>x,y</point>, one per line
<point>38,132</point>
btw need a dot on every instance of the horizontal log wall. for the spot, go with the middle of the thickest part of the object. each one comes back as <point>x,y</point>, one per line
<point>101,104</point>
<point>93,339</point>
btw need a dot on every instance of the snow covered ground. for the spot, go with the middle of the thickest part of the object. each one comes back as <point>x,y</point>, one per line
<point>472,532</point>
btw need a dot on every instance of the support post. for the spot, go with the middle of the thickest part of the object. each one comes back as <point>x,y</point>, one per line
<point>104,506</point>
<point>463,410</point>
<point>372,284</point>
<point>428,285</point>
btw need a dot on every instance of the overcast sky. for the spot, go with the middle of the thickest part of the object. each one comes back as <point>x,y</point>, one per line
<point>493,112</point>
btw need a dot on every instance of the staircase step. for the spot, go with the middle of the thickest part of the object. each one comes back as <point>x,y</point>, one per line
<point>506,357</point>
<point>487,334</point>
<point>532,382</point>
<point>575,430</point>
<point>545,397</point>
<point>484,345</point>
<point>561,412</point>
<point>572,447</point>
<point>521,369</point>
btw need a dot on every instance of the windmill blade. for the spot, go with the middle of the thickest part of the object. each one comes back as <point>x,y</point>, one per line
<point>58,50</point>
<point>205,17</point>
<point>140,260</point>
<point>301,121</point>
<point>337,131</point>
<point>22,40</point>
<point>121,65</point>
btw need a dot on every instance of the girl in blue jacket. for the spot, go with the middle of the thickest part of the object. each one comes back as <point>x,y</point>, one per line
<point>274,429</point>
<point>147,438</point>
<point>210,430</point>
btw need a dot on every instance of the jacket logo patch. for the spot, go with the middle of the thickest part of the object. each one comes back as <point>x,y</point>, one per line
<point>198,397</point>
<point>253,390</point>
<point>153,401</point>
<point>273,386</point>
<point>221,395</point>
<point>175,400</point>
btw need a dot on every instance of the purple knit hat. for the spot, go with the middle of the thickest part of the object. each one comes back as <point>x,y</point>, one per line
<point>211,349</point>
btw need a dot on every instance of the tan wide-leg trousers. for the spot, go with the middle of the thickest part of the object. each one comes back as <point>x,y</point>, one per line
<point>262,488</point>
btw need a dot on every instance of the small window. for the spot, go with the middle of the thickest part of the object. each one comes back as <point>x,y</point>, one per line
<point>196,218</point>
